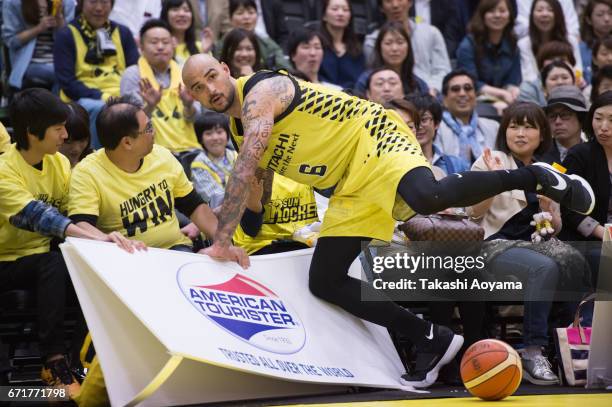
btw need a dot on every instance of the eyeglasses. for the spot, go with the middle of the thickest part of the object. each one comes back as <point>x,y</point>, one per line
<point>149,129</point>
<point>457,88</point>
<point>562,115</point>
<point>426,120</point>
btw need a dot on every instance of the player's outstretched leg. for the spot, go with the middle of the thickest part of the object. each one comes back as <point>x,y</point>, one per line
<point>329,281</point>
<point>425,195</point>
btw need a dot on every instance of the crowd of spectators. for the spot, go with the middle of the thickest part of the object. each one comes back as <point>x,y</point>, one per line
<point>128,131</point>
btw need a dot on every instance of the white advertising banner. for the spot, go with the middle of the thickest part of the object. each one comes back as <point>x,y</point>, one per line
<point>599,373</point>
<point>181,328</point>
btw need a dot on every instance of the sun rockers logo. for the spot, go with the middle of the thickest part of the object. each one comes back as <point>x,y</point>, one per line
<point>242,306</point>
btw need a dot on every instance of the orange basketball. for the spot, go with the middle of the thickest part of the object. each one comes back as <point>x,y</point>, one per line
<point>491,369</point>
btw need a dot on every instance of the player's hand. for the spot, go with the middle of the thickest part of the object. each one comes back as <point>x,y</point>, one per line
<point>148,93</point>
<point>229,253</point>
<point>124,243</point>
<point>492,163</point>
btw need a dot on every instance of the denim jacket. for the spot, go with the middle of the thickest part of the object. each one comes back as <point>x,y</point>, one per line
<point>499,66</point>
<point>13,23</point>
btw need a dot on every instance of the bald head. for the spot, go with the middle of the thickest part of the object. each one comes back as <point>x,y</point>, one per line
<point>199,63</point>
<point>209,82</point>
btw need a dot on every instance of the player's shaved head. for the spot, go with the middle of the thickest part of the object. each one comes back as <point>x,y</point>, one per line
<point>209,82</point>
<point>199,63</point>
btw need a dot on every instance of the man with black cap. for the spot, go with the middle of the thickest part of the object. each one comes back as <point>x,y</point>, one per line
<point>565,110</point>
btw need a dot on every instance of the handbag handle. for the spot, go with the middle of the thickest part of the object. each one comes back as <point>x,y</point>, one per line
<point>576,323</point>
<point>452,216</point>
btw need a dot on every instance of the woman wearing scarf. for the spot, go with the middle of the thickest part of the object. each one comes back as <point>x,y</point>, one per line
<point>89,57</point>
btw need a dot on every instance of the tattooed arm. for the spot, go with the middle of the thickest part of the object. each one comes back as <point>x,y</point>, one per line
<point>268,99</point>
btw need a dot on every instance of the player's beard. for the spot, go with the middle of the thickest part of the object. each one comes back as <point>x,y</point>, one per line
<point>230,100</point>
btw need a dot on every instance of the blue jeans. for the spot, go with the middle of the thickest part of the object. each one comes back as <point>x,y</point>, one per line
<point>40,75</point>
<point>93,107</point>
<point>539,275</point>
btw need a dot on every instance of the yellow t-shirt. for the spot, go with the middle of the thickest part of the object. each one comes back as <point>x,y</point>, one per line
<point>172,130</point>
<point>5,139</point>
<point>291,207</point>
<point>21,183</point>
<point>139,205</point>
<point>181,53</point>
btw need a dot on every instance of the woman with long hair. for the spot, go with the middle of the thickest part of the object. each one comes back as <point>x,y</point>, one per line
<point>179,16</point>
<point>490,54</point>
<point>28,30</point>
<point>343,59</point>
<point>243,15</point>
<point>546,23</point>
<point>593,161</point>
<point>394,50</point>
<point>241,52</point>
<point>595,22</point>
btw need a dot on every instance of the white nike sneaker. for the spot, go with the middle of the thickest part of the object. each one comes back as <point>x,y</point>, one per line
<point>439,348</point>
<point>571,191</point>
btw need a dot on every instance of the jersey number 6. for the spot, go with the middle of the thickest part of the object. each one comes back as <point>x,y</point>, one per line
<point>316,170</point>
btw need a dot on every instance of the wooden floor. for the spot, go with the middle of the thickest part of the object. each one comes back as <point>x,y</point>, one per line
<point>556,400</point>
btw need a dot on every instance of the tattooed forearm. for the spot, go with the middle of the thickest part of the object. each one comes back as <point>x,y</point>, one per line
<point>257,132</point>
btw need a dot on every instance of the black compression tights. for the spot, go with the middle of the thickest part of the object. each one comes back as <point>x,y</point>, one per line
<point>333,255</point>
<point>423,193</point>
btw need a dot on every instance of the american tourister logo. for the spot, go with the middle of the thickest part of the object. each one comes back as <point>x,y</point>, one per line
<point>243,307</point>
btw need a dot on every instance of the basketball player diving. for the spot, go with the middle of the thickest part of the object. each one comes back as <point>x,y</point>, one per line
<point>373,162</point>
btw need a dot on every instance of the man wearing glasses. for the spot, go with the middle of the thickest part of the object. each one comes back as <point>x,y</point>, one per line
<point>133,186</point>
<point>565,110</point>
<point>462,132</point>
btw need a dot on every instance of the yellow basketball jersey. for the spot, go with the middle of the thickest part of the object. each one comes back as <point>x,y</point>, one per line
<point>315,141</point>
<point>326,139</point>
